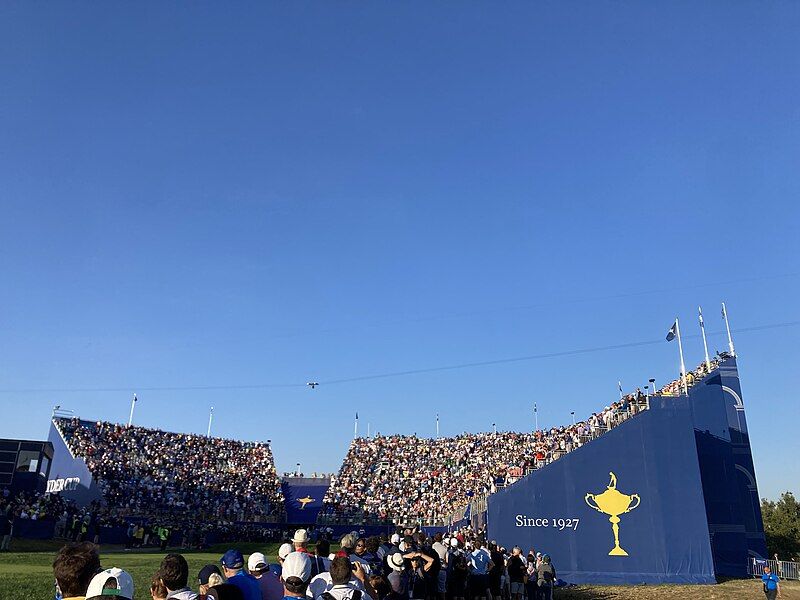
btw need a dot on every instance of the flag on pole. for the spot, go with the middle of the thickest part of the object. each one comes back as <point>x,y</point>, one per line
<point>356,416</point>
<point>673,331</point>
<point>135,399</point>
<point>619,385</point>
<point>702,324</point>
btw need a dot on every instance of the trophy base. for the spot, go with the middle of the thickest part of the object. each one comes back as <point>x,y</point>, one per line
<point>617,552</point>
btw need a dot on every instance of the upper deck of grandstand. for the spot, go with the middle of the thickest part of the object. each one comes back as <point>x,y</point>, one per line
<point>408,479</point>
<point>149,472</point>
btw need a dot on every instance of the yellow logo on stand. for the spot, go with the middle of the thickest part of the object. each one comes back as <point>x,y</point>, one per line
<point>304,501</point>
<point>613,503</point>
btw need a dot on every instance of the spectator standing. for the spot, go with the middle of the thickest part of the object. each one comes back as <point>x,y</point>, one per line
<point>545,577</point>
<point>300,541</point>
<point>271,586</point>
<point>174,572</point>
<point>74,567</point>
<point>111,582</point>
<point>516,573</point>
<point>233,569</point>
<point>320,563</point>
<point>209,576</point>
<point>342,588</point>
<point>296,575</point>
<point>158,591</point>
<point>480,563</point>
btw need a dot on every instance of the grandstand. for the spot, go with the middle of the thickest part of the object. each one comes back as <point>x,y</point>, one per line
<point>144,472</point>
<point>411,480</point>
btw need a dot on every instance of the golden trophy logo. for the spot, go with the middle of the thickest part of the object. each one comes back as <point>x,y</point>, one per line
<point>613,503</point>
<point>304,501</point>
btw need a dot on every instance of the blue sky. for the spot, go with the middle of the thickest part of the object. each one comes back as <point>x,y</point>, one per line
<point>272,193</point>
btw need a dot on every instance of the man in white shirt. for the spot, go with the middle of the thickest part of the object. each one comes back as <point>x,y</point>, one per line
<point>344,581</point>
<point>480,562</point>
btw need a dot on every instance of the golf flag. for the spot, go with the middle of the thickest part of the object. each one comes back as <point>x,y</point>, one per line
<point>702,325</point>
<point>673,331</point>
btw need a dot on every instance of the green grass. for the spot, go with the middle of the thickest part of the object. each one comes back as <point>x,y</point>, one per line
<point>27,572</point>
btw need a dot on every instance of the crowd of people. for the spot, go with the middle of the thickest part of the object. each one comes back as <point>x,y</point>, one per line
<point>409,479</point>
<point>408,565</point>
<point>158,474</point>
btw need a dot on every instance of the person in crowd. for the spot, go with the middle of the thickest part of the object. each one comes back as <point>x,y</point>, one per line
<point>174,573</point>
<point>530,568</point>
<point>457,570</point>
<point>158,591</point>
<point>224,591</point>
<point>320,562</point>
<point>268,582</point>
<point>440,548</point>
<point>771,584</point>
<point>74,567</point>
<point>418,583</point>
<point>233,569</point>
<point>209,576</point>
<point>300,540</point>
<point>545,579</point>
<point>397,577</point>
<point>480,562</point>
<point>341,574</point>
<point>496,570</point>
<point>296,575</point>
<point>516,573</point>
<point>348,548</point>
<point>111,582</point>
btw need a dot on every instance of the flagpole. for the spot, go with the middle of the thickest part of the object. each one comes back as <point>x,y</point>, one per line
<point>705,344</point>
<point>210,417</point>
<point>355,430</point>
<point>437,425</point>
<point>133,405</point>
<point>680,351</point>
<point>728,328</point>
<point>367,429</point>
<point>621,394</point>
<point>536,415</point>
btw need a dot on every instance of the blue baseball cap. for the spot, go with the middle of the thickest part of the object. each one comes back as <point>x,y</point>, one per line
<point>232,559</point>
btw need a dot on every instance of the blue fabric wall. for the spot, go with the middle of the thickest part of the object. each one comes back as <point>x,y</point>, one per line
<point>666,536</point>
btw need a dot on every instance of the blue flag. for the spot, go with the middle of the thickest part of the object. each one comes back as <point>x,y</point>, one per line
<point>673,331</point>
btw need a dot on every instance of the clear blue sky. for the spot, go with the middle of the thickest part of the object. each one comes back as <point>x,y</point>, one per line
<point>272,193</point>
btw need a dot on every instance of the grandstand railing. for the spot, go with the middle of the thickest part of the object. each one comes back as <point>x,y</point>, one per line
<point>782,568</point>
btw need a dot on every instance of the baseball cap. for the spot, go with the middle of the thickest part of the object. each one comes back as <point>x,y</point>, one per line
<point>205,573</point>
<point>297,564</point>
<point>123,587</point>
<point>300,536</point>
<point>256,561</point>
<point>284,551</point>
<point>396,539</point>
<point>232,559</point>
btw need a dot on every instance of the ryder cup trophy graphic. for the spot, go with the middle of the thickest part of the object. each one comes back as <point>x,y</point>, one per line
<point>613,503</point>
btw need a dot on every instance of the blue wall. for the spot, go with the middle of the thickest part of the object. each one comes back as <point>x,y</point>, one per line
<point>666,536</point>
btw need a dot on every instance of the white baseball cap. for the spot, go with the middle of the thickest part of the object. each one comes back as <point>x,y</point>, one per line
<point>284,551</point>
<point>396,538</point>
<point>122,591</point>
<point>297,564</point>
<point>256,561</point>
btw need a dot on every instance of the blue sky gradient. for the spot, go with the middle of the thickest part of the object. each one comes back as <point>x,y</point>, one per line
<point>273,193</point>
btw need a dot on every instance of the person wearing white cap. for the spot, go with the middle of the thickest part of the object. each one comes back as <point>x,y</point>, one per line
<point>397,564</point>
<point>270,584</point>
<point>111,582</point>
<point>324,581</point>
<point>342,587</point>
<point>296,574</point>
<point>300,540</point>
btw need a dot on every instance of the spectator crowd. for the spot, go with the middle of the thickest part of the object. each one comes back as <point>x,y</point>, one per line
<point>154,473</point>
<point>409,479</point>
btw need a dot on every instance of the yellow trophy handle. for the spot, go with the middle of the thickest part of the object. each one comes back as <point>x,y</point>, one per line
<point>638,502</point>
<point>594,506</point>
